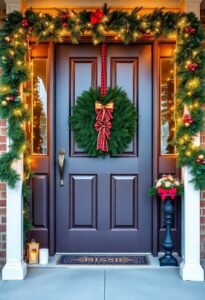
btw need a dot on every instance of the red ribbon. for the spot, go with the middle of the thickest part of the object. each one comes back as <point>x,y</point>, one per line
<point>103,87</point>
<point>164,193</point>
<point>96,17</point>
<point>103,129</point>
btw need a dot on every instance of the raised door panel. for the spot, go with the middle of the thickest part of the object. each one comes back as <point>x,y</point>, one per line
<point>83,201</point>
<point>124,74</point>
<point>124,202</point>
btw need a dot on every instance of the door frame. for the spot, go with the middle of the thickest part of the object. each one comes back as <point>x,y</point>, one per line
<point>155,137</point>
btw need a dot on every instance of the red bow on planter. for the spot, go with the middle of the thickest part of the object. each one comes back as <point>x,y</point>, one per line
<point>164,193</point>
<point>96,17</point>
<point>104,111</point>
<point>103,129</point>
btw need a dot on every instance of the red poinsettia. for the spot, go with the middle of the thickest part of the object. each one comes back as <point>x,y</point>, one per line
<point>96,17</point>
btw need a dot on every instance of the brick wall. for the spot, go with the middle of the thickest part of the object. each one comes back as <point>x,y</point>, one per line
<point>2,197</point>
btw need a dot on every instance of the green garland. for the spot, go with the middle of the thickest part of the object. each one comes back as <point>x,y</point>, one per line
<point>123,124</point>
<point>126,26</point>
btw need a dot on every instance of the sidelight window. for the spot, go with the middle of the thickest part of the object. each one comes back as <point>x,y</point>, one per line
<point>39,106</point>
<point>167,118</point>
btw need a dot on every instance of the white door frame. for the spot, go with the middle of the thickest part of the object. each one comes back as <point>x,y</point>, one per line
<point>190,268</point>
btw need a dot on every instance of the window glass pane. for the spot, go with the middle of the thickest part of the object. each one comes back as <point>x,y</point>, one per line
<point>167,121</point>
<point>39,107</point>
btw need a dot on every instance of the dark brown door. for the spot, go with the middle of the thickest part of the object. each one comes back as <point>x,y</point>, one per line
<point>103,205</point>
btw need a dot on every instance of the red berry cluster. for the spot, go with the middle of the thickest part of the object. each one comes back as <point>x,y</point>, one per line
<point>192,67</point>
<point>24,23</point>
<point>187,120</point>
<point>200,159</point>
<point>190,29</point>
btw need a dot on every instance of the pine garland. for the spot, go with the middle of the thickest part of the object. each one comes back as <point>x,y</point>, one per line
<point>128,27</point>
<point>123,124</point>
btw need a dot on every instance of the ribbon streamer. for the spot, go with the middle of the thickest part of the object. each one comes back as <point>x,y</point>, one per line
<point>103,129</point>
<point>164,193</point>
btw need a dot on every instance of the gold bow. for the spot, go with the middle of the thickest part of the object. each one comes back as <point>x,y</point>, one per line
<point>104,111</point>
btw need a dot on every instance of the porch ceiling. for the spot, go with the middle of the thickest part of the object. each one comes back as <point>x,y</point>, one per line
<point>172,4</point>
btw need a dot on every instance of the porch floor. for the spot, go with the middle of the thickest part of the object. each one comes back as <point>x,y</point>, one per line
<point>102,284</point>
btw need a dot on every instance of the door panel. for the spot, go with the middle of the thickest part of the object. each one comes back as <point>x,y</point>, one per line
<point>103,206</point>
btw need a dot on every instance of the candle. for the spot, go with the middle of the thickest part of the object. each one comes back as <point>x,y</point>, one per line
<point>43,256</point>
<point>34,255</point>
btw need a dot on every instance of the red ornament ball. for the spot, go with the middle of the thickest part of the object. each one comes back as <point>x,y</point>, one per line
<point>198,160</point>
<point>203,162</point>
<point>64,16</point>
<point>64,25</point>
<point>10,98</point>
<point>187,120</point>
<point>190,29</point>
<point>24,22</point>
<point>192,67</point>
<point>146,35</point>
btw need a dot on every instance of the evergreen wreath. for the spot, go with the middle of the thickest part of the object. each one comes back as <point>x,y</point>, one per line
<point>127,27</point>
<point>123,124</point>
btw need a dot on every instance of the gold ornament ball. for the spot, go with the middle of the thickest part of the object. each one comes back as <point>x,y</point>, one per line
<point>4,103</point>
<point>201,156</point>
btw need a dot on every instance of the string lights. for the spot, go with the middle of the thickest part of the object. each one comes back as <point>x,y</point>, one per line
<point>124,26</point>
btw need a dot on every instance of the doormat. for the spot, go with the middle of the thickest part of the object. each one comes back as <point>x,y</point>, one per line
<point>137,260</point>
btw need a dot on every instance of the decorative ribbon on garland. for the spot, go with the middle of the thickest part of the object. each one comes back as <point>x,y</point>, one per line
<point>103,112</point>
<point>164,193</point>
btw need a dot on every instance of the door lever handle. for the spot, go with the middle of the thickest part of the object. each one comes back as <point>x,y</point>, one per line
<point>61,163</point>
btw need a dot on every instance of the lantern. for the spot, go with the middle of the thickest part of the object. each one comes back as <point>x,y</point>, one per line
<point>32,252</point>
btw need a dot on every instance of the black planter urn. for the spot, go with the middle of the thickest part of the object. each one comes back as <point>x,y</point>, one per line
<point>168,259</point>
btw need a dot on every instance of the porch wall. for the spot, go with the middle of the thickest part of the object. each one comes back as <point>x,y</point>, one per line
<point>202,212</point>
<point>2,198</point>
<point>2,185</point>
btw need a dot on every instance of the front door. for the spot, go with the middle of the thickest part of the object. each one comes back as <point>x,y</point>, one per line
<point>103,205</point>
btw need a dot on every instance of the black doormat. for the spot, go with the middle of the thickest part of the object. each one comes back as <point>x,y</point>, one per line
<point>137,260</point>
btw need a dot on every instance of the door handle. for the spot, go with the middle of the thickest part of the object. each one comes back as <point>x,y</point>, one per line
<point>61,163</point>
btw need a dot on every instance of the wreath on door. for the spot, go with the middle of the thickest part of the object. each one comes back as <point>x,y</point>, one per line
<point>103,121</point>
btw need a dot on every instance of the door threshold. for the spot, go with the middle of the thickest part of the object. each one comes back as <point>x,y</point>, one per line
<point>154,262</point>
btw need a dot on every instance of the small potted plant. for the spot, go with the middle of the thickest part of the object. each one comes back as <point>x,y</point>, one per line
<point>167,188</point>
